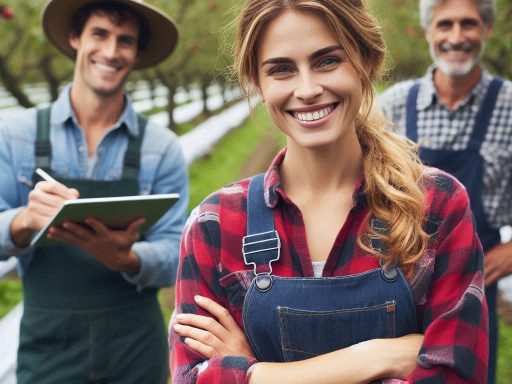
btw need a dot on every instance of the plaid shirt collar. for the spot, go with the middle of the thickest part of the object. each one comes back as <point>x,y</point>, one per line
<point>428,94</point>
<point>274,191</point>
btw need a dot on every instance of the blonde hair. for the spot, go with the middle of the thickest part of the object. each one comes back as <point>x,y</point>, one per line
<point>393,172</point>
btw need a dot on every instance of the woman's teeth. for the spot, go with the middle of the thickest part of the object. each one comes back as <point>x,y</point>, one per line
<point>312,116</point>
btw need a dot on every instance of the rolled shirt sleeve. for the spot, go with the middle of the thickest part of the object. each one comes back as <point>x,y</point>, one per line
<point>454,316</point>
<point>159,250</point>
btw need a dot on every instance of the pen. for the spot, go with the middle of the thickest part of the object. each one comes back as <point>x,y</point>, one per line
<point>45,176</point>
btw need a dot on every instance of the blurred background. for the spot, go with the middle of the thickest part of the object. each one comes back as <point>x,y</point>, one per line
<point>195,95</point>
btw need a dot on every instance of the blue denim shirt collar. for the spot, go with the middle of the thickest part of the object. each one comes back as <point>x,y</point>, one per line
<point>62,111</point>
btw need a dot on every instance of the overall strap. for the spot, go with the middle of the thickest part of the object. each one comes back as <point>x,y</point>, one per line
<point>131,164</point>
<point>484,115</point>
<point>261,246</point>
<point>43,148</point>
<point>260,218</point>
<point>411,126</point>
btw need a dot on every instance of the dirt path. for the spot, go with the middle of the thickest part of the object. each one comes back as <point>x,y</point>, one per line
<point>261,157</point>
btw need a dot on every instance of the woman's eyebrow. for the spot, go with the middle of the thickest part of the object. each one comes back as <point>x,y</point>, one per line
<point>277,60</point>
<point>314,55</point>
<point>325,50</point>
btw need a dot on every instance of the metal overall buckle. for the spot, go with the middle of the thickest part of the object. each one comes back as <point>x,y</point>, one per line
<point>260,250</point>
<point>389,273</point>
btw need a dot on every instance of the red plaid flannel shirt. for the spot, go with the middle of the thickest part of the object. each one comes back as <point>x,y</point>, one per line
<point>447,285</point>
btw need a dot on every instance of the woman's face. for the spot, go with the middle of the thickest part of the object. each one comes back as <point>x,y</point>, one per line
<point>312,91</point>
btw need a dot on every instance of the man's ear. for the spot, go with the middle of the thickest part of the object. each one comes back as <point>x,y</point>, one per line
<point>488,29</point>
<point>426,32</point>
<point>74,41</point>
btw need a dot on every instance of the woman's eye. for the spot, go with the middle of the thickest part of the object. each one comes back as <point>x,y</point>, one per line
<point>279,70</point>
<point>328,61</point>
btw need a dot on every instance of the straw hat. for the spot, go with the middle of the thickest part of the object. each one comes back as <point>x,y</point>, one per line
<point>163,33</point>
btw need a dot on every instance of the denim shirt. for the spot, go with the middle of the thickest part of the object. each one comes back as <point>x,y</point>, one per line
<point>162,170</point>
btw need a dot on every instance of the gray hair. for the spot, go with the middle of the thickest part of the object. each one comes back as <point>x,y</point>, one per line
<point>487,10</point>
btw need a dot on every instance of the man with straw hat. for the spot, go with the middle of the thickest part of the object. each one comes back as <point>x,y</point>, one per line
<point>91,311</point>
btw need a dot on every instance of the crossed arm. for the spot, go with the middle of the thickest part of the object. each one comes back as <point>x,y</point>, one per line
<point>220,336</point>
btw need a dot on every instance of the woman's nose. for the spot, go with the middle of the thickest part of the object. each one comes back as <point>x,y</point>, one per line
<point>307,90</point>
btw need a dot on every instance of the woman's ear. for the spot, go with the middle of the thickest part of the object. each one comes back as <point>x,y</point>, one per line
<point>256,86</point>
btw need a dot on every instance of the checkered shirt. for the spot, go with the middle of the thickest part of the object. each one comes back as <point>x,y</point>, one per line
<point>440,128</point>
<point>447,286</point>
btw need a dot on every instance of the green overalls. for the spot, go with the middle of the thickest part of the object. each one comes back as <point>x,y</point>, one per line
<point>82,322</point>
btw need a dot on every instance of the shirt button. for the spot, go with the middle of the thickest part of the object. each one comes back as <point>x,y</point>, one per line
<point>81,148</point>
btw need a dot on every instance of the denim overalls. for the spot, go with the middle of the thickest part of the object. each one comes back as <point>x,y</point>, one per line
<point>82,322</point>
<point>289,319</point>
<point>468,167</point>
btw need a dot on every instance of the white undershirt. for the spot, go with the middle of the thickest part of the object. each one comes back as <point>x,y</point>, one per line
<point>318,268</point>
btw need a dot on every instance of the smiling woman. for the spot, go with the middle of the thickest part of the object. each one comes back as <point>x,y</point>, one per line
<point>337,265</point>
<point>311,89</point>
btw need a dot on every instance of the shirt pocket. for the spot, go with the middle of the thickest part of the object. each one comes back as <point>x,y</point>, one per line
<point>147,173</point>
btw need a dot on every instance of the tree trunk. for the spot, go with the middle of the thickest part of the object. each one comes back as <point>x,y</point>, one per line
<point>12,84</point>
<point>170,108</point>
<point>51,79</point>
<point>204,95</point>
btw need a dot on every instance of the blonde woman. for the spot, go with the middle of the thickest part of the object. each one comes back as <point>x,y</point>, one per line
<point>347,261</point>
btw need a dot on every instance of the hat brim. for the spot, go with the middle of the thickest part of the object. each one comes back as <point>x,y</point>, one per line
<point>163,33</point>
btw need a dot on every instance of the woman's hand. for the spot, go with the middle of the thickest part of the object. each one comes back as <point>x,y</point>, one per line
<point>402,354</point>
<point>210,337</point>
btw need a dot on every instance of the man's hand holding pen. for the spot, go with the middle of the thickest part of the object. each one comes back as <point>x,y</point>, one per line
<point>110,247</point>
<point>43,202</point>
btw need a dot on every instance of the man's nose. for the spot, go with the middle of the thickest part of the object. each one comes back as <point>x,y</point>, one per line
<point>456,35</point>
<point>110,48</point>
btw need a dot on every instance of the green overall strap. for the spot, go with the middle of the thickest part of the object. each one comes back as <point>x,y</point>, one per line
<point>131,162</point>
<point>43,148</point>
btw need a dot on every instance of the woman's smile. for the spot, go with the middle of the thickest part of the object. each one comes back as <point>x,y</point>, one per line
<point>314,114</point>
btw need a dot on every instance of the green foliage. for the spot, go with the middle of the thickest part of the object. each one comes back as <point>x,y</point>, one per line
<point>24,44</point>
<point>199,54</point>
<point>11,293</point>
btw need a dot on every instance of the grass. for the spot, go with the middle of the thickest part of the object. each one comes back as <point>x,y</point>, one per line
<point>11,293</point>
<point>504,374</point>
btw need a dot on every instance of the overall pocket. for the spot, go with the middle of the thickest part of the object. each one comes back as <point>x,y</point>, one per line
<point>305,334</point>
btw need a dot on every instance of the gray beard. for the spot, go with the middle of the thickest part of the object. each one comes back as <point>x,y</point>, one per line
<point>456,70</point>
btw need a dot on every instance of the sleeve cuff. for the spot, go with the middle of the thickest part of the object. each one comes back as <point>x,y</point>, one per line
<point>232,369</point>
<point>148,264</point>
<point>6,243</point>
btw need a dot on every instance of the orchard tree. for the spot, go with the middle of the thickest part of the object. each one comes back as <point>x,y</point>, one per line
<point>26,56</point>
<point>196,59</point>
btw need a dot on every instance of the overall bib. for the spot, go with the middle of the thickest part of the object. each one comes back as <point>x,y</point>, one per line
<point>82,322</point>
<point>468,167</point>
<point>290,319</point>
